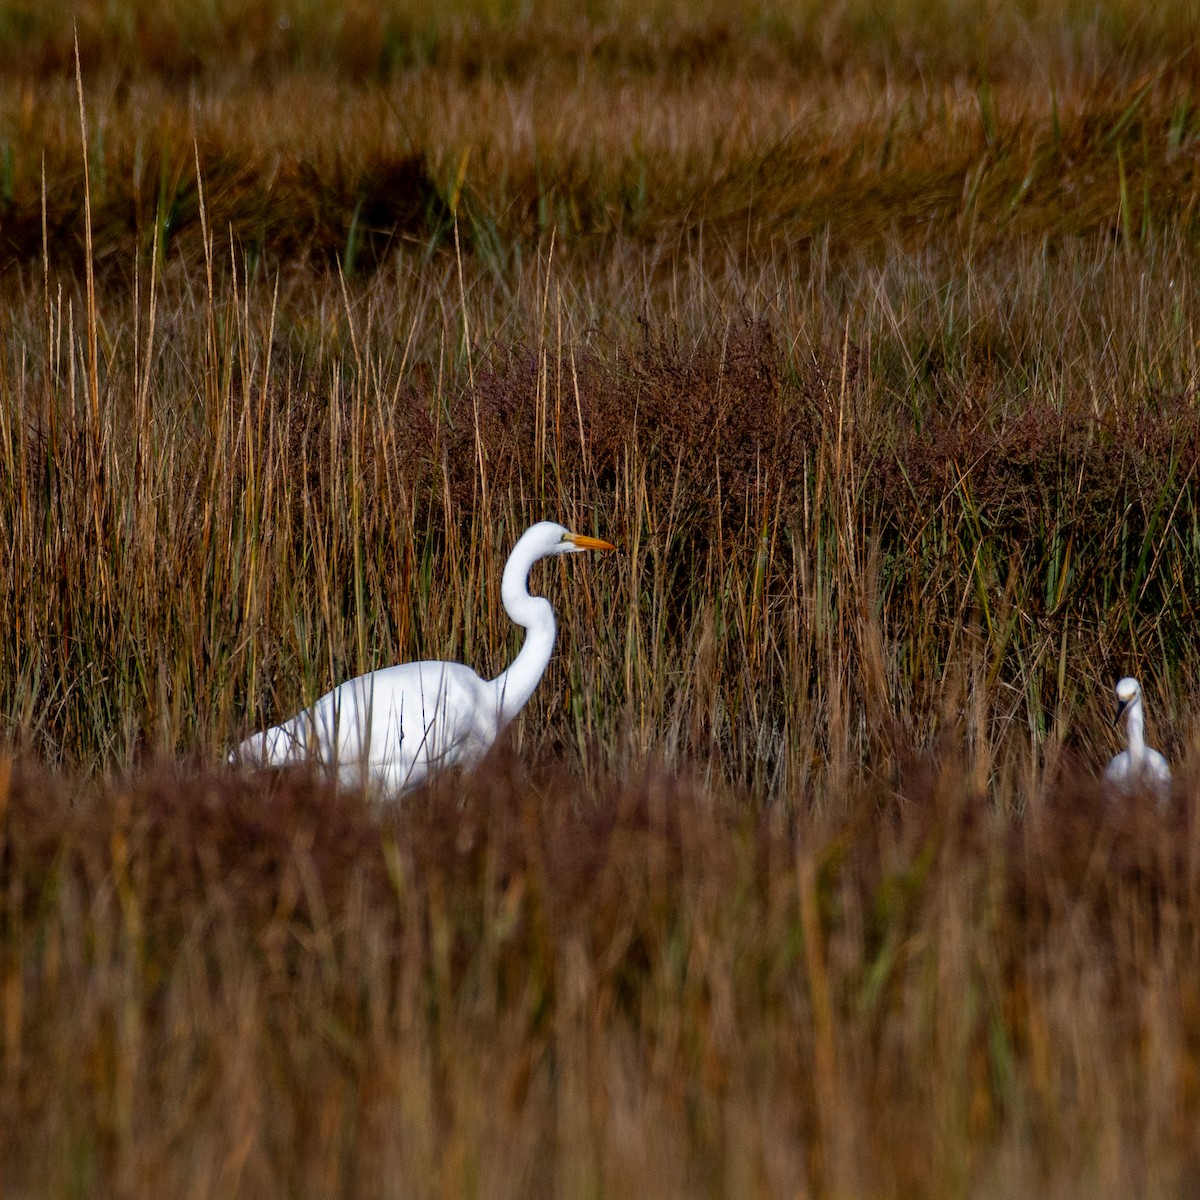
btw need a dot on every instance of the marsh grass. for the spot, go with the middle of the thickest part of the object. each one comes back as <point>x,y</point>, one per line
<point>879,363</point>
<point>524,985</point>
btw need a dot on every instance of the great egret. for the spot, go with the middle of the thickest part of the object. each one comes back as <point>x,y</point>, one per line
<point>394,727</point>
<point>1139,768</point>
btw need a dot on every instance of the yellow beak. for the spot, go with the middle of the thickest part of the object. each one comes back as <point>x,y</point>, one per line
<point>587,543</point>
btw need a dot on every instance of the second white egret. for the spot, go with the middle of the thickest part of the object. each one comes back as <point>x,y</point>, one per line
<point>1138,768</point>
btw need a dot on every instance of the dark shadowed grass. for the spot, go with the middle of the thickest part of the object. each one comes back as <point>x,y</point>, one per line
<point>747,167</point>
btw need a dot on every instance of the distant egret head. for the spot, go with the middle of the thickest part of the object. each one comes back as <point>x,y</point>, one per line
<point>1129,692</point>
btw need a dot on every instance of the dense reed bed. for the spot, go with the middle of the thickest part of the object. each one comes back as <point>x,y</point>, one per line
<point>517,984</point>
<point>871,339</point>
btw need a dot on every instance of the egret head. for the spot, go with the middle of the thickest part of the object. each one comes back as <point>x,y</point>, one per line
<point>548,537</point>
<point>1129,693</point>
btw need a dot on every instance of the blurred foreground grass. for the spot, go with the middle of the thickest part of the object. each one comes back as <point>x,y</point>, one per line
<point>517,985</point>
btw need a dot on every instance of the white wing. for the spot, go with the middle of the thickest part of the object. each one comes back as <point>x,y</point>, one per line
<point>1117,771</point>
<point>390,728</point>
<point>1157,769</point>
<point>1153,774</point>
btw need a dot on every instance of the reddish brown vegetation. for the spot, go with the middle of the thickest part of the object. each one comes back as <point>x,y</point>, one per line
<point>534,985</point>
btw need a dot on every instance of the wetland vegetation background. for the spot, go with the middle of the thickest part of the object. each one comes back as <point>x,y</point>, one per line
<point>870,332</point>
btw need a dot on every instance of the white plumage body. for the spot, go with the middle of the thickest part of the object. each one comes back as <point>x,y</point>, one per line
<point>390,728</point>
<point>1139,768</point>
<point>1126,773</point>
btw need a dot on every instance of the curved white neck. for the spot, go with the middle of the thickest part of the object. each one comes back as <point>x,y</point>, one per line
<point>536,616</point>
<point>1135,724</point>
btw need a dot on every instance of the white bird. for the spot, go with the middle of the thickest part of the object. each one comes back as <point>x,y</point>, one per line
<point>394,727</point>
<point>1139,768</point>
